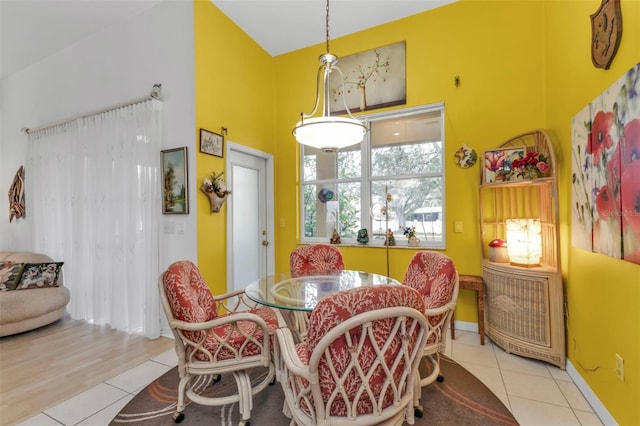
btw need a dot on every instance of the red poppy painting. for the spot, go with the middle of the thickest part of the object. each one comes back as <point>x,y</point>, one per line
<point>606,171</point>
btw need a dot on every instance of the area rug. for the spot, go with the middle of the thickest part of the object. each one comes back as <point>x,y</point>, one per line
<point>460,399</point>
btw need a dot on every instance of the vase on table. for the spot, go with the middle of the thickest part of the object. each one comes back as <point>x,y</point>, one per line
<point>414,242</point>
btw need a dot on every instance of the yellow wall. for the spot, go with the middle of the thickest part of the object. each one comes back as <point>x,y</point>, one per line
<point>234,89</point>
<point>499,96</point>
<point>603,294</point>
<point>522,64</point>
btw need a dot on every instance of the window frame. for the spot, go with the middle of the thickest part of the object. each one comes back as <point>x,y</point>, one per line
<point>366,179</point>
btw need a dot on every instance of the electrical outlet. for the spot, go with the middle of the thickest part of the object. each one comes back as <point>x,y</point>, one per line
<point>620,367</point>
<point>457,226</point>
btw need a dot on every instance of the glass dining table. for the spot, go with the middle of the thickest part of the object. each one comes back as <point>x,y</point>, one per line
<point>296,297</point>
<point>303,293</point>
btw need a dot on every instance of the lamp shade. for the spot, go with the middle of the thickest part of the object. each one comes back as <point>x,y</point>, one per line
<point>329,133</point>
<point>524,242</point>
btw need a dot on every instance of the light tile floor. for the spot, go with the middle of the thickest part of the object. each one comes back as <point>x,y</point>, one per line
<point>535,392</point>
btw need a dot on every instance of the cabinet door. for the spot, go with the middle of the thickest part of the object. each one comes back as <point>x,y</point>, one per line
<point>518,306</point>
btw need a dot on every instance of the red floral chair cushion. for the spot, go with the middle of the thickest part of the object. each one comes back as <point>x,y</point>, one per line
<point>191,301</point>
<point>315,259</point>
<point>434,275</point>
<point>334,310</point>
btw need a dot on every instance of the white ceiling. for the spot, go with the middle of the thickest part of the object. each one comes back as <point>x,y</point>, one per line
<point>31,30</point>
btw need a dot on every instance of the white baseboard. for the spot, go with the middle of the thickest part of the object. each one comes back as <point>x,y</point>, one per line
<point>598,407</point>
<point>466,326</point>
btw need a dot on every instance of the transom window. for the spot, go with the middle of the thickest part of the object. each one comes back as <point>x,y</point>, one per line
<point>393,180</point>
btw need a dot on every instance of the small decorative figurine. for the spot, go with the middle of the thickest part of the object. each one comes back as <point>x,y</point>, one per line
<point>335,237</point>
<point>363,236</point>
<point>390,240</point>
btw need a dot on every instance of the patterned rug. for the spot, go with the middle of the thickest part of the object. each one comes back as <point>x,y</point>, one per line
<point>460,400</point>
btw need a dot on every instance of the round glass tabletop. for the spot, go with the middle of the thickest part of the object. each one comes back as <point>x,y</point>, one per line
<point>303,293</point>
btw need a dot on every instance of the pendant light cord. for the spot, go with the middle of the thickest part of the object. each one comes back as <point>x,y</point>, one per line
<point>327,26</point>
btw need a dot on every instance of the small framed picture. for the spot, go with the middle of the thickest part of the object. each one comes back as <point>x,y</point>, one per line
<point>211,143</point>
<point>175,191</point>
<point>498,164</point>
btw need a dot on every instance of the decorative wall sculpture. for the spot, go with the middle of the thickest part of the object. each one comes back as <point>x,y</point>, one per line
<point>606,171</point>
<point>216,190</point>
<point>16,196</point>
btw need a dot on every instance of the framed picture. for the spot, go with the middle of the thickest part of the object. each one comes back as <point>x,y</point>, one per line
<point>175,191</point>
<point>498,164</point>
<point>211,143</point>
<point>373,79</point>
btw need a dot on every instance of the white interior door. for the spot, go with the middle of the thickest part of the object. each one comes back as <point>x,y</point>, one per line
<point>250,249</point>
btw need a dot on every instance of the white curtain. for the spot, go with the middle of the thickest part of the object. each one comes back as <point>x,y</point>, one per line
<point>93,196</point>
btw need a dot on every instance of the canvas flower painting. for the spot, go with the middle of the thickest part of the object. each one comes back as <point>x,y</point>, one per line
<point>606,171</point>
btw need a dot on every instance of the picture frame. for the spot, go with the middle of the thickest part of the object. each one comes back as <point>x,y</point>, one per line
<point>497,164</point>
<point>373,79</point>
<point>211,143</point>
<point>175,189</point>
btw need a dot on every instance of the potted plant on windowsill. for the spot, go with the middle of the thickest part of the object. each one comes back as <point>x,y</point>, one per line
<point>410,232</point>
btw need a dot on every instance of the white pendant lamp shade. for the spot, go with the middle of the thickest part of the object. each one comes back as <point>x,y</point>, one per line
<point>326,132</point>
<point>329,133</point>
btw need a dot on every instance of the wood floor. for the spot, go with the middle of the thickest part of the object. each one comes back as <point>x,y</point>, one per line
<point>44,367</point>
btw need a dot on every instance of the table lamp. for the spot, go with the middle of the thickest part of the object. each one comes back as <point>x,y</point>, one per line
<point>524,242</point>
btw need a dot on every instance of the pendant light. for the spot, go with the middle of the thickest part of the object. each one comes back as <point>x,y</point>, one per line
<point>326,132</point>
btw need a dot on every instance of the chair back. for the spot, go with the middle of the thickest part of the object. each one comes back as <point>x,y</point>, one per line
<point>431,272</point>
<point>315,259</point>
<point>435,277</point>
<point>189,296</point>
<point>363,347</point>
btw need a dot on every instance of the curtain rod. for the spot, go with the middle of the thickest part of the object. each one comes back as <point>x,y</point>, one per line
<point>154,94</point>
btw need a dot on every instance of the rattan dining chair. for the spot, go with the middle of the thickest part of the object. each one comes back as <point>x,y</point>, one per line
<point>359,362</point>
<point>315,259</point>
<point>435,277</point>
<point>225,334</point>
<point>312,259</point>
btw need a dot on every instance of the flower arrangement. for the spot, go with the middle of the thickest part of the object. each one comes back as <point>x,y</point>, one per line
<point>409,231</point>
<point>215,183</point>
<point>532,166</point>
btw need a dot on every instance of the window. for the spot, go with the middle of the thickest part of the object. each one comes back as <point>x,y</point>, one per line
<point>393,180</point>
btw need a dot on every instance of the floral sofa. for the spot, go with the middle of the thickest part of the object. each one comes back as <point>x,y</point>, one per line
<point>31,291</point>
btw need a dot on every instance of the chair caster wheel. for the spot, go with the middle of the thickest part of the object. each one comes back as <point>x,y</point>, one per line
<point>418,411</point>
<point>217,378</point>
<point>440,378</point>
<point>178,416</point>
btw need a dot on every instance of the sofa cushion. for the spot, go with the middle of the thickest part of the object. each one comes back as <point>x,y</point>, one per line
<point>10,273</point>
<point>38,275</point>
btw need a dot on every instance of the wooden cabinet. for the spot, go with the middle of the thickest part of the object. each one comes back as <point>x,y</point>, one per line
<point>524,305</point>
